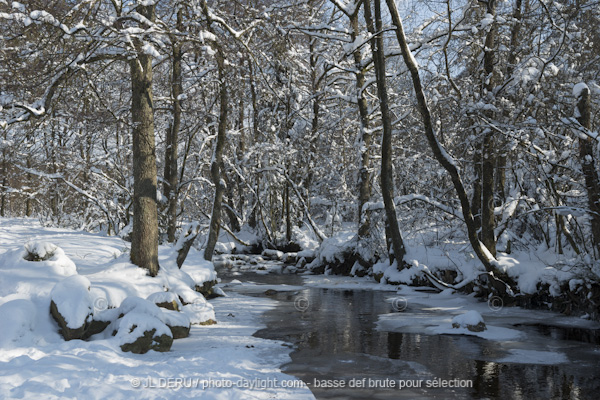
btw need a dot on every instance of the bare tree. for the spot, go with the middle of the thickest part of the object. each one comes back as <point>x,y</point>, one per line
<point>396,248</point>
<point>588,163</point>
<point>439,152</point>
<point>171,173</point>
<point>216,165</point>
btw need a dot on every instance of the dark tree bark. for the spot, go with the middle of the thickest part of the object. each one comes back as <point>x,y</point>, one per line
<point>252,219</point>
<point>241,151</point>
<point>185,242</point>
<point>4,183</point>
<point>438,151</point>
<point>288,218</point>
<point>216,166</point>
<point>366,138</point>
<point>234,221</point>
<point>502,157</point>
<point>488,222</point>
<point>364,176</point>
<point>488,156</point>
<point>394,239</point>
<point>588,165</point>
<point>29,201</point>
<point>144,240</point>
<point>170,187</point>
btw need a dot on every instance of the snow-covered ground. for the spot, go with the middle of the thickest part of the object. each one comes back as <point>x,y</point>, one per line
<point>221,361</point>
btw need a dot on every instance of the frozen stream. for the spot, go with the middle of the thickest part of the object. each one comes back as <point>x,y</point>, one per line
<point>336,340</point>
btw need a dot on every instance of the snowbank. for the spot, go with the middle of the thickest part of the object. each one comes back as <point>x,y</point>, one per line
<point>36,362</point>
<point>18,321</point>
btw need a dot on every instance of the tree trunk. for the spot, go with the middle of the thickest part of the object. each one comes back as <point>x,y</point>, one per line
<point>170,189</point>
<point>394,239</point>
<point>364,176</point>
<point>439,152</point>
<point>288,219</point>
<point>216,166</point>
<point>144,240</point>
<point>588,165</point>
<point>4,184</point>
<point>252,219</point>
<point>185,242</point>
<point>234,221</point>
<point>241,151</point>
<point>502,158</point>
<point>488,222</point>
<point>29,202</point>
<point>488,156</point>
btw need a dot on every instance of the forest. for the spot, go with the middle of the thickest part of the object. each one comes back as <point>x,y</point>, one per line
<point>362,137</point>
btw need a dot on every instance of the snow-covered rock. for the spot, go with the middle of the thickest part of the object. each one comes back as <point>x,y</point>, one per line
<point>200,313</point>
<point>71,306</point>
<point>471,320</point>
<point>139,332</point>
<point>195,279</point>
<point>179,323</point>
<point>134,304</point>
<point>168,300</point>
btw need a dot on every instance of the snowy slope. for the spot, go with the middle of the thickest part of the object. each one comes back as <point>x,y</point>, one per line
<point>220,361</point>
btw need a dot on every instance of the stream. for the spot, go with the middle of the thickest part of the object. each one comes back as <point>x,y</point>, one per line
<point>340,354</point>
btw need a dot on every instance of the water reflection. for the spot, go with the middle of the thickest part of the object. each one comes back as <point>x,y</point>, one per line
<point>335,339</point>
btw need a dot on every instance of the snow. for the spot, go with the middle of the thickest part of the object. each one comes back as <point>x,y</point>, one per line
<point>33,277</point>
<point>306,240</point>
<point>491,333</point>
<point>43,250</point>
<point>521,356</point>
<point>579,88</point>
<point>538,269</point>
<point>138,305</point>
<point>471,317</point>
<point>150,50</point>
<point>73,300</point>
<point>345,282</point>
<point>487,20</point>
<point>199,312</point>
<point>175,318</point>
<point>164,297</point>
<point>360,40</point>
<point>348,8</point>
<point>18,320</point>
<point>18,6</point>
<point>133,325</point>
<point>36,362</point>
<point>332,247</point>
